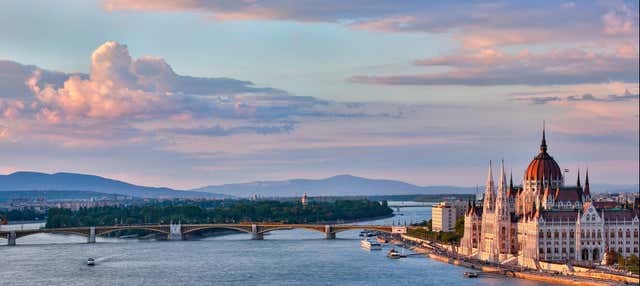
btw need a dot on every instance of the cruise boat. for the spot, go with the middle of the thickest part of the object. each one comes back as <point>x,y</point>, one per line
<point>370,244</point>
<point>91,262</point>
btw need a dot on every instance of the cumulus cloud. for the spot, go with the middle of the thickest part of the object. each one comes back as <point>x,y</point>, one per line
<point>493,67</point>
<point>121,92</point>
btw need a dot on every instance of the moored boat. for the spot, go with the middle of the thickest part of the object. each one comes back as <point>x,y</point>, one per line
<point>91,262</point>
<point>393,254</point>
<point>381,239</point>
<point>370,245</point>
<point>471,274</point>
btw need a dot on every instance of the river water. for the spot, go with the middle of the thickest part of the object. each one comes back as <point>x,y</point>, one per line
<point>287,257</point>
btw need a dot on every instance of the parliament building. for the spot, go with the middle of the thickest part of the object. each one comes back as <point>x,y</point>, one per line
<point>545,220</point>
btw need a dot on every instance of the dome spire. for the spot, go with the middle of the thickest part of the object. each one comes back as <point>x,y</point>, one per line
<point>543,145</point>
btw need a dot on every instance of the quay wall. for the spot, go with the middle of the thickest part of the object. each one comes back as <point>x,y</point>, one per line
<point>576,275</point>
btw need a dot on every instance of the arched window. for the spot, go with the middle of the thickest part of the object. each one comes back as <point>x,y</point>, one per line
<point>541,234</point>
<point>548,234</point>
<point>571,234</point>
<point>556,234</point>
<point>628,233</point>
<point>620,233</point>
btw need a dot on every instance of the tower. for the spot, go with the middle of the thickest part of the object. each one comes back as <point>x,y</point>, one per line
<point>586,193</point>
<point>502,219</point>
<point>488,202</point>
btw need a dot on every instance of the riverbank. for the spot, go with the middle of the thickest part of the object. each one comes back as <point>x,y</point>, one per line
<point>590,279</point>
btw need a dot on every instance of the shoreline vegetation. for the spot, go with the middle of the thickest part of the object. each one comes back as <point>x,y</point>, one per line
<point>340,211</point>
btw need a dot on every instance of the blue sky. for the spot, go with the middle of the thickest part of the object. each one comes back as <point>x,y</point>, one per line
<point>187,93</point>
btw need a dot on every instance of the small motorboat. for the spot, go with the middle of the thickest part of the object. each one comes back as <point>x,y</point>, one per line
<point>381,239</point>
<point>471,274</point>
<point>91,262</point>
<point>393,254</point>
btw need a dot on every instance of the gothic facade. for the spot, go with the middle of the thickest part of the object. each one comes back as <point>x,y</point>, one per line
<point>545,220</point>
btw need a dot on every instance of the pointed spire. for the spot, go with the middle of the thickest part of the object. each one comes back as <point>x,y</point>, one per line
<point>502,184</point>
<point>490,175</point>
<point>543,145</point>
<point>489,197</point>
<point>578,183</point>
<point>586,191</point>
<point>511,180</point>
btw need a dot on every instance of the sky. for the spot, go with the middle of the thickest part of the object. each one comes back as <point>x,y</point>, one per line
<point>187,93</point>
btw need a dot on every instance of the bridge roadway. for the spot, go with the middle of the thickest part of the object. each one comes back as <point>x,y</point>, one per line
<point>179,231</point>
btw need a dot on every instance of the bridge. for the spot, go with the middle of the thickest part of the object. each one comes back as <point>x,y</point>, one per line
<point>179,231</point>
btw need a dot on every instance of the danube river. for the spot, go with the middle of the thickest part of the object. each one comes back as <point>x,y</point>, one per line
<point>288,257</point>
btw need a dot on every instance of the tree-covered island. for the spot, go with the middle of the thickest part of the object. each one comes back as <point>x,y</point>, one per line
<point>220,212</point>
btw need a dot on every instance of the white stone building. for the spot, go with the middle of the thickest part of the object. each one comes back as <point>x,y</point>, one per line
<point>544,220</point>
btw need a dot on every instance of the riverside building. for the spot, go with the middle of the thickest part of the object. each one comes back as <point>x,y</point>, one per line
<point>546,220</point>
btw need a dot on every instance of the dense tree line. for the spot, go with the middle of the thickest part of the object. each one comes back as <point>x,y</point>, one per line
<point>26,214</point>
<point>240,211</point>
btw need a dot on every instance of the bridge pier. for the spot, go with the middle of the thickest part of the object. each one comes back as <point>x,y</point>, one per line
<point>175,232</point>
<point>11,238</point>
<point>255,234</point>
<point>328,232</point>
<point>92,235</point>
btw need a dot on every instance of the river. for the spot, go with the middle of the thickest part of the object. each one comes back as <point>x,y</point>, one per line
<point>287,257</point>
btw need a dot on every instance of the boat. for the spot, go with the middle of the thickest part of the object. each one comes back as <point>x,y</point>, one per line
<point>370,244</point>
<point>381,239</point>
<point>91,262</point>
<point>393,254</point>
<point>472,274</point>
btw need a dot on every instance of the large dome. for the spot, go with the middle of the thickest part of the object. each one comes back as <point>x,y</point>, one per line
<point>543,166</point>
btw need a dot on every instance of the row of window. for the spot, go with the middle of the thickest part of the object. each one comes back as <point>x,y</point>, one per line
<point>571,250</point>
<point>587,234</point>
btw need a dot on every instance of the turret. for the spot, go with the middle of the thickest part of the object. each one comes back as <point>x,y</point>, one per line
<point>489,197</point>
<point>502,200</point>
<point>586,192</point>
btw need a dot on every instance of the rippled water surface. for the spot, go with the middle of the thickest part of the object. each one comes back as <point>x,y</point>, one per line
<point>288,257</point>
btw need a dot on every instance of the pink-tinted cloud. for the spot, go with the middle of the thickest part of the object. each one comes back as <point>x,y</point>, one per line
<point>477,24</point>
<point>620,21</point>
<point>493,67</point>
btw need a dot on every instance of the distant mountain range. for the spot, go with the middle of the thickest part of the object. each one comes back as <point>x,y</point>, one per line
<point>341,185</point>
<point>33,181</point>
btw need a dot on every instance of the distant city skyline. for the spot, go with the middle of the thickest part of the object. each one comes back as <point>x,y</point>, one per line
<point>191,93</point>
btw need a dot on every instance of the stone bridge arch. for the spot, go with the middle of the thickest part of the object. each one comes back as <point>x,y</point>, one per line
<point>190,229</point>
<point>319,228</point>
<point>103,231</point>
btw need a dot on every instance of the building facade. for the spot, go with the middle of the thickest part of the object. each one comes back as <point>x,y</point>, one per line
<point>546,220</point>
<point>445,214</point>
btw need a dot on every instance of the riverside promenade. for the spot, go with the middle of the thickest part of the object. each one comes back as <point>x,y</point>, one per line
<point>431,250</point>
